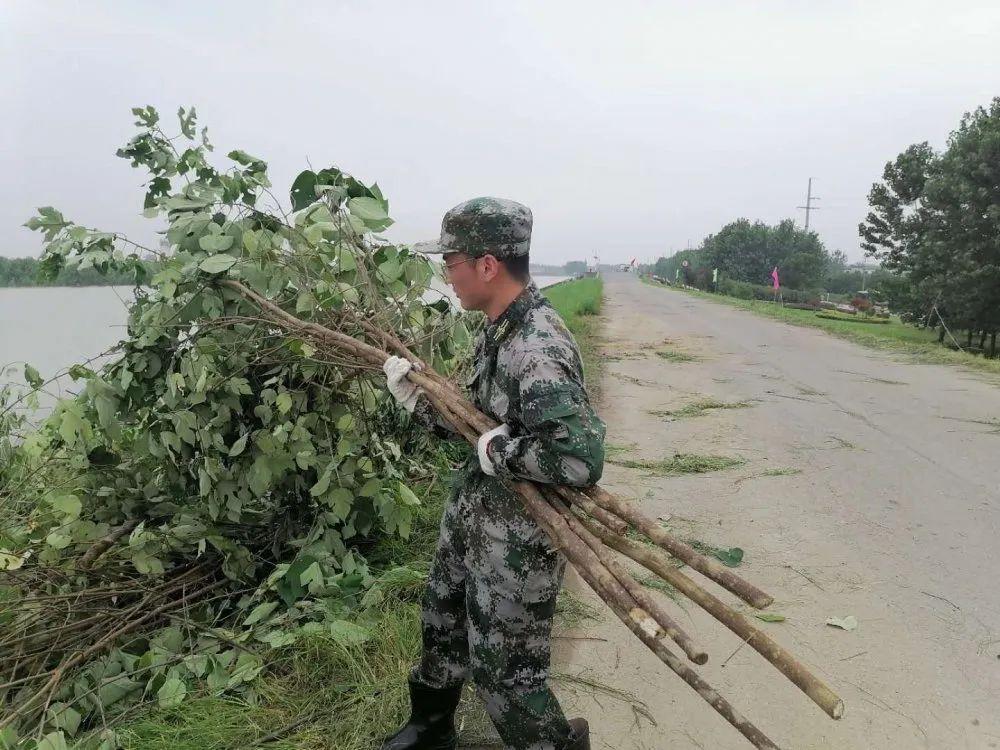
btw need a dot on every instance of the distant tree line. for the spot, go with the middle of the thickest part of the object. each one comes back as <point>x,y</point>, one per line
<point>25,272</point>
<point>746,251</point>
<point>933,227</point>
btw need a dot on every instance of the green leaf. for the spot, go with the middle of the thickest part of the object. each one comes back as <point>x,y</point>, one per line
<point>217,263</point>
<point>406,495</point>
<point>769,616</point>
<point>147,116</point>
<point>147,564</point>
<point>844,623</point>
<point>368,209</point>
<point>340,501</point>
<point>303,190</point>
<point>371,487</point>
<point>68,505</point>
<point>215,243</point>
<point>390,270</point>
<point>197,664</point>
<point>79,372</point>
<point>312,574</point>
<point>115,689</point>
<point>65,717</point>
<point>187,122</point>
<point>246,159</point>
<point>171,693</point>
<point>324,482</point>
<point>8,738</point>
<point>10,561</point>
<point>106,407</point>
<point>260,476</point>
<point>57,540</point>
<point>290,586</point>
<point>283,402</point>
<point>305,302</point>
<point>730,557</point>
<point>279,639</point>
<point>72,426</point>
<point>32,377</point>
<point>260,613</point>
<point>53,741</point>
<point>348,633</point>
<point>248,666</point>
<point>239,445</point>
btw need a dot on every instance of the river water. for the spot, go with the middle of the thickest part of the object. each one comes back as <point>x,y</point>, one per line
<point>54,327</point>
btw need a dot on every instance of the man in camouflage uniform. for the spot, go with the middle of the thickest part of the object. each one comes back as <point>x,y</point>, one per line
<point>491,594</point>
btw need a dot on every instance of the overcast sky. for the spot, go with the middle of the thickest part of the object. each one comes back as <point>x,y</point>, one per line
<point>629,128</point>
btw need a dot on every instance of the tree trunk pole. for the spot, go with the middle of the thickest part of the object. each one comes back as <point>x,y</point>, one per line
<point>684,552</point>
<point>658,562</point>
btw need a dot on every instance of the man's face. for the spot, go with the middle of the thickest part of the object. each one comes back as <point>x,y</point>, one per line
<point>470,278</point>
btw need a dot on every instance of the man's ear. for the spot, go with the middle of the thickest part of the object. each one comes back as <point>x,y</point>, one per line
<point>491,267</point>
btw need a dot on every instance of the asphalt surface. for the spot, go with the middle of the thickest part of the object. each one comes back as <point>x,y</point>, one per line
<point>869,488</point>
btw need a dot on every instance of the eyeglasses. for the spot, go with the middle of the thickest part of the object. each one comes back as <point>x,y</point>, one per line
<point>446,268</point>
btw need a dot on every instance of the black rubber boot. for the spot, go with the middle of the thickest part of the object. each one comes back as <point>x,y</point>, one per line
<point>432,720</point>
<point>579,738</point>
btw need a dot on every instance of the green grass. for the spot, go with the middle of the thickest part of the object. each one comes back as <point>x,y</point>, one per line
<point>339,695</point>
<point>579,303</point>
<point>832,315</point>
<point>680,463</point>
<point>342,695</point>
<point>699,408</point>
<point>895,337</point>
<point>658,584</point>
<point>611,449</point>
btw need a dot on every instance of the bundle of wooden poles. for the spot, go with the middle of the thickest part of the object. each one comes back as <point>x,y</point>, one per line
<point>589,526</point>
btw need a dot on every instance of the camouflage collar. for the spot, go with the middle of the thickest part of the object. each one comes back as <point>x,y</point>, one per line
<point>527,300</point>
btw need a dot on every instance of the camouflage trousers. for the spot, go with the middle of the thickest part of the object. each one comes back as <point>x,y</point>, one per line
<point>488,611</point>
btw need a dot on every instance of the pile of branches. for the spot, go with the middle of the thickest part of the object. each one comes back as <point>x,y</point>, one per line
<point>212,489</point>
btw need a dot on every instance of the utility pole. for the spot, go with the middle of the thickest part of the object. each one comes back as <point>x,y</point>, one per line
<point>809,202</point>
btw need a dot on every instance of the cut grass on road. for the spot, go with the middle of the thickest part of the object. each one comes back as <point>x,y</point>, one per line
<point>698,408</point>
<point>674,355</point>
<point>894,337</point>
<point>680,463</point>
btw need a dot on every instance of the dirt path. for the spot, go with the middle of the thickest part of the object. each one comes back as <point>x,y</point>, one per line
<point>882,502</point>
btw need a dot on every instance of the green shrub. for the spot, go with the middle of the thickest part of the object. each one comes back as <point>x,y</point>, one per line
<point>745,290</point>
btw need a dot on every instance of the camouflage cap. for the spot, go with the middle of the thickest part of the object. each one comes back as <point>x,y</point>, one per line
<point>483,226</point>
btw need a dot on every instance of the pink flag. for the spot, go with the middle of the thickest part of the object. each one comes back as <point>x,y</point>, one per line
<point>774,275</point>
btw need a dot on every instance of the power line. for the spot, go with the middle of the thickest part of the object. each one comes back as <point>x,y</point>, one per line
<point>809,207</point>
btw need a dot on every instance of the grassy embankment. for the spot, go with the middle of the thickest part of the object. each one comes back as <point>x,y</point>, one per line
<point>324,693</point>
<point>579,303</point>
<point>895,336</point>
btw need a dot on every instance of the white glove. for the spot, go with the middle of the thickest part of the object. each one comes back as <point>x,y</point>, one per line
<point>401,388</point>
<point>484,440</point>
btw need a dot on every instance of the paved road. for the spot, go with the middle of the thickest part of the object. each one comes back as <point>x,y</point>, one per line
<point>882,503</point>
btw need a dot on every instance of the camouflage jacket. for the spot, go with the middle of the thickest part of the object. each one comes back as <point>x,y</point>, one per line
<point>527,373</point>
